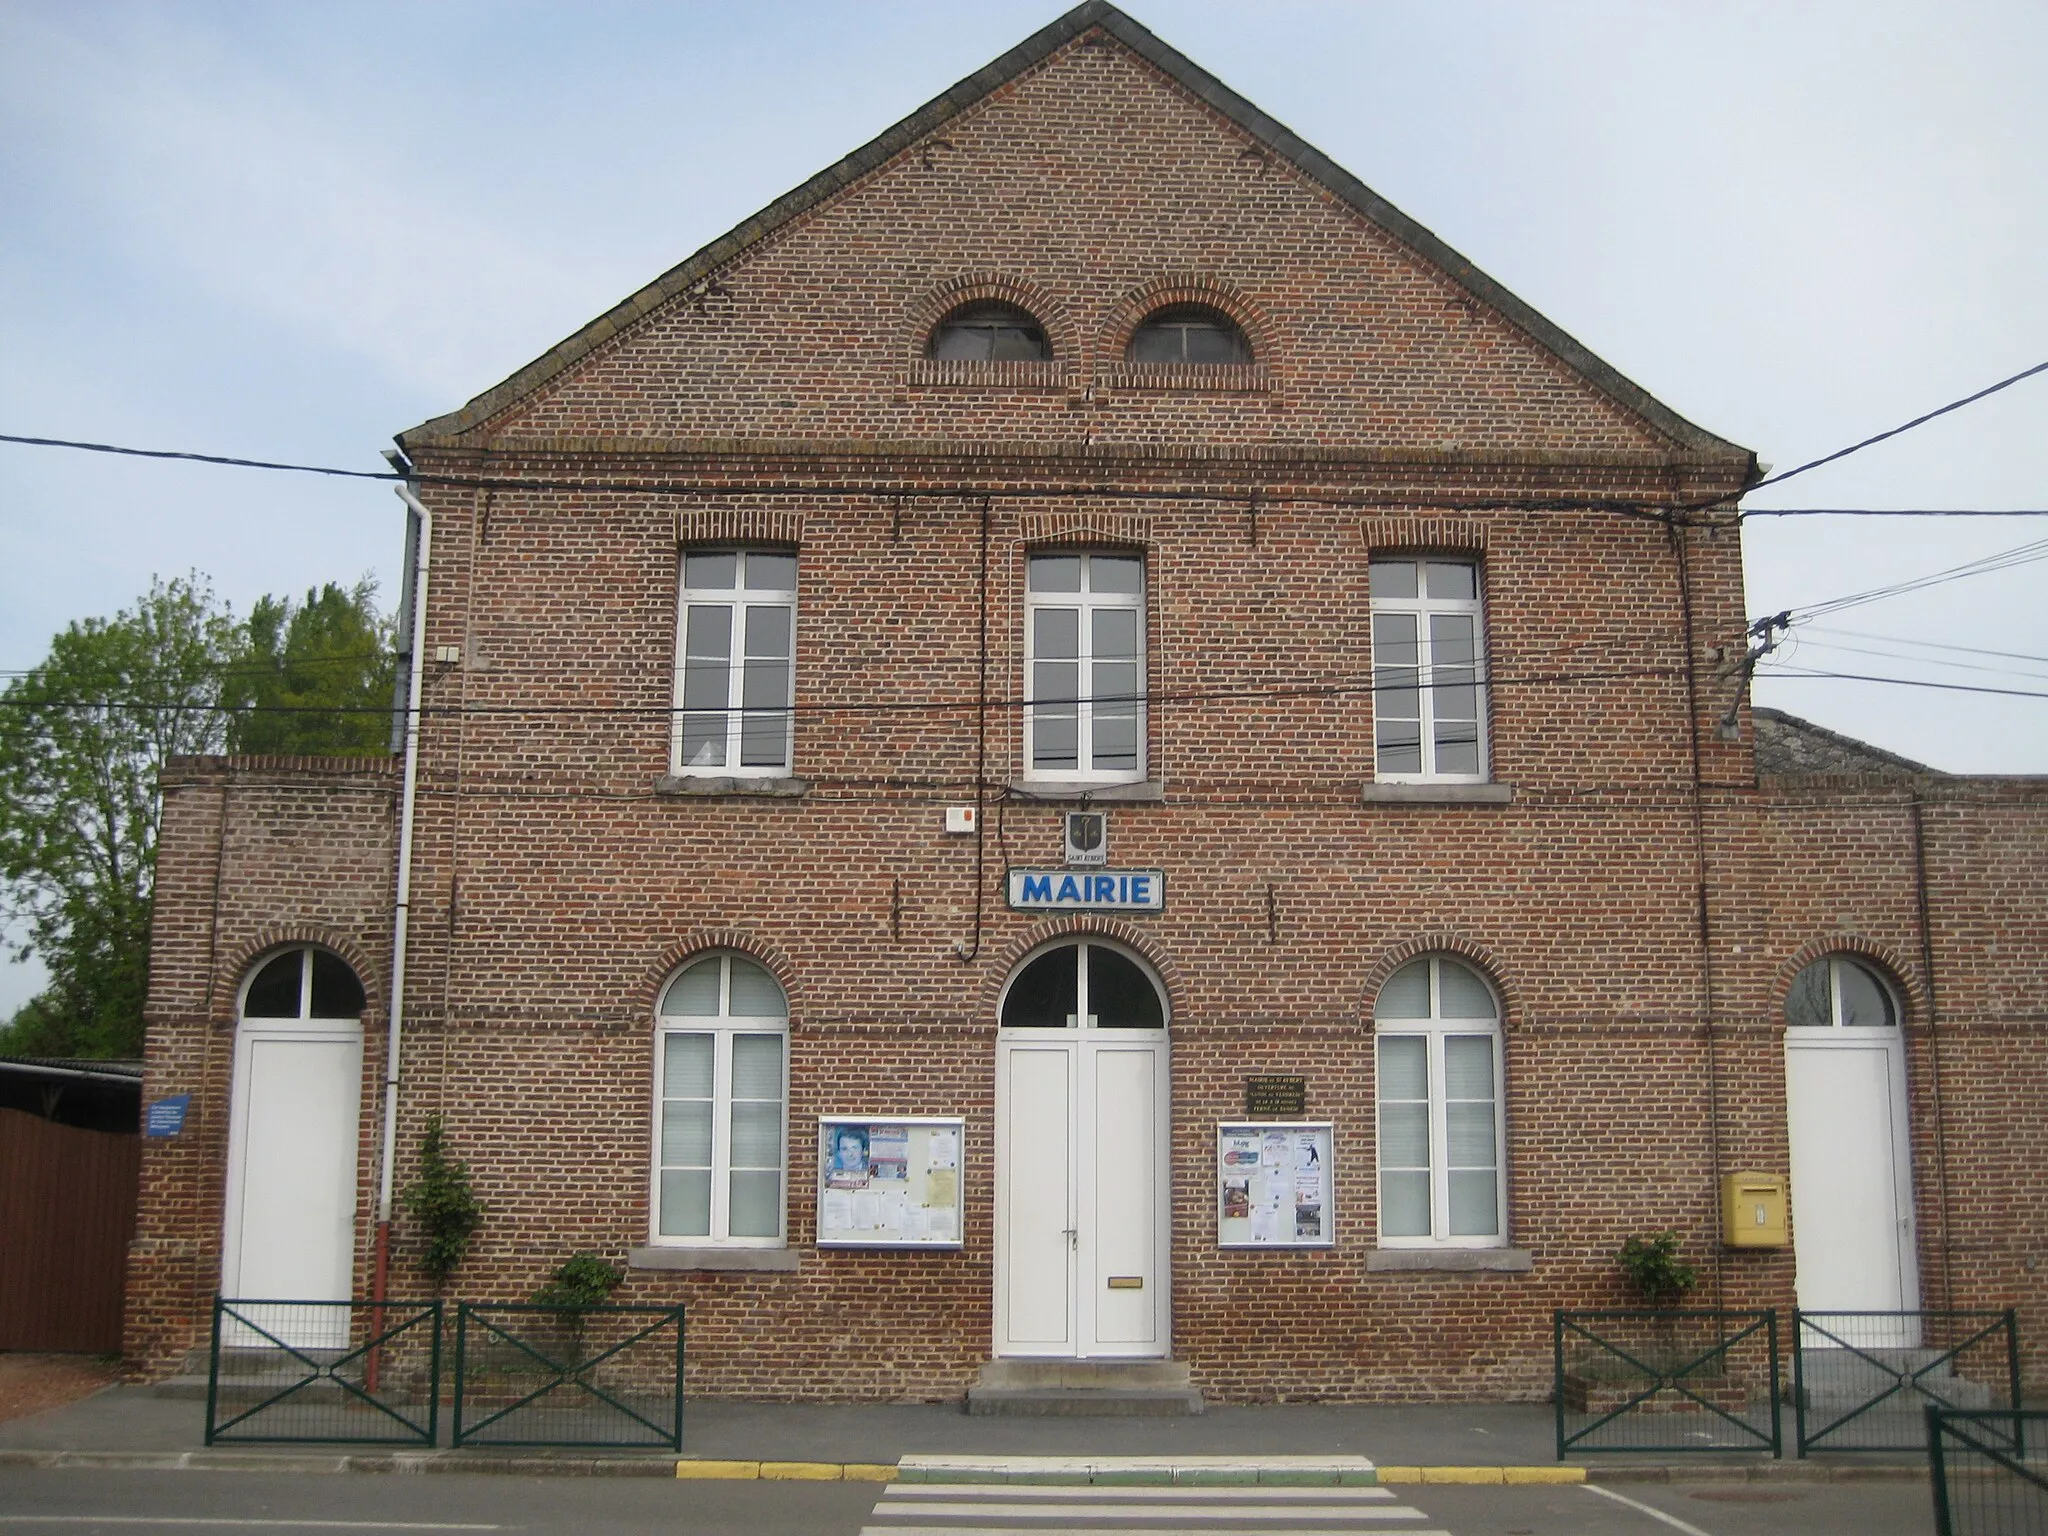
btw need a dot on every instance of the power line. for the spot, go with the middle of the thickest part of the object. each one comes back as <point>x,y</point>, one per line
<point>1802,674</point>
<point>1932,645</point>
<point>1917,421</point>
<point>2023,554</point>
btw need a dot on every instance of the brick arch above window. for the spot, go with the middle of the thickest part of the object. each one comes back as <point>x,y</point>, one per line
<point>1892,968</point>
<point>1079,926</point>
<point>1454,946</point>
<point>1085,525</point>
<point>646,995</point>
<point>989,288</point>
<point>1195,289</point>
<point>245,958</point>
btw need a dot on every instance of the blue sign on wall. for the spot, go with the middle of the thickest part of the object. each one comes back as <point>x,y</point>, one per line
<point>1088,890</point>
<point>166,1117</point>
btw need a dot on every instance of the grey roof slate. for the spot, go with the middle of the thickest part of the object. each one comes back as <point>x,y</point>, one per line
<point>1787,745</point>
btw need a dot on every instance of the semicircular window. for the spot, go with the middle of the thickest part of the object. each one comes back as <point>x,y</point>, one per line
<point>1082,985</point>
<point>1839,992</point>
<point>988,332</point>
<point>1189,333</point>
<point>304,983</point>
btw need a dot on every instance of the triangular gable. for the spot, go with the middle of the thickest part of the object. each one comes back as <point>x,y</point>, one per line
<point>977,87</point>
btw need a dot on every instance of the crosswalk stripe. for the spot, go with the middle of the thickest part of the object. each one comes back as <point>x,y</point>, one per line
<point>1135,1511</point>
<point>1221,1492</point>
<point>1119,1530</point>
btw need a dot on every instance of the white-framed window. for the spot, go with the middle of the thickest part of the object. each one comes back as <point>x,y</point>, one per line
<point>1429,694</point>
<point>1441,1133</point>
<point>1840,992</point>
<point>735,663</point>
<point>1084,667</point>
<point>721,1074</point>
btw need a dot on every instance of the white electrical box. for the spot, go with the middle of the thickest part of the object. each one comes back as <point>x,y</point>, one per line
<point>960,819</point>
<point>448,655</point>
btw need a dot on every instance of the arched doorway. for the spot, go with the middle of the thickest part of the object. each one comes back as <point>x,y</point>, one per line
<point>1852,1179</point>
<point>1083,1178</point>
<point>289,1228</point>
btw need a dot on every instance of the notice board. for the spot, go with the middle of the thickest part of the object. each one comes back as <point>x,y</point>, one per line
<point>1274,1188</point>
<point>889,1183</point>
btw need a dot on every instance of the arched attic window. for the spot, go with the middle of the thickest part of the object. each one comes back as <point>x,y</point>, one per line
<point>988,331</point>
<point>1189,333</point>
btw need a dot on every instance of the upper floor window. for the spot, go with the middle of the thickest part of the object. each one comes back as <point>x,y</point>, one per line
<point>988,332</point>
<point>1440,1121</point>
<point>721,1066</point>
<point>735,662</point>
<point>1840,993</point>
<point>1084,667</point>
<point>1429,699</point>
<point>1189,333</point>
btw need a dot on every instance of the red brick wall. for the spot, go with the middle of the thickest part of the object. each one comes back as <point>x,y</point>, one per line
<point>555,887</point>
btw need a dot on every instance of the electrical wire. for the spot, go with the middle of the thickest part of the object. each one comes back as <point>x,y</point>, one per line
<point>2023,554</point>
<point>1808,673</point>
<point>1933,645</point>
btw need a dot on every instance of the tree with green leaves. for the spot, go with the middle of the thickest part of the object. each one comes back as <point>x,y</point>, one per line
<point>313,677</point>
<point>83,737</point>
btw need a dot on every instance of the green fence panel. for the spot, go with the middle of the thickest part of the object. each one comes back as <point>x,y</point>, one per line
<point>536,1375</point>
<point>1666,1380</point>
<point>1862,1381</point>
<point>1988,1470</point>
<point>355,1371</point>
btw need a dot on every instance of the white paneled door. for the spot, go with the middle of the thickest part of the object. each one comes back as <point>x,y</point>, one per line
<point>291,1190</point>
<point>1082,1190</point>
<point>1852,1193</point>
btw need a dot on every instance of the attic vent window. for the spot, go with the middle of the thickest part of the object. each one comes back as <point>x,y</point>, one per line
<point>1189,333</point>
<point>989,332</point>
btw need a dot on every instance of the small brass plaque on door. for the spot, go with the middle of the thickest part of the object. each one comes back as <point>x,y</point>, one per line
<point>1127,1282</point>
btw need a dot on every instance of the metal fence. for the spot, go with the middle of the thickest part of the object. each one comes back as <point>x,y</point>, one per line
<point>324,1370</point>
<point>552,1375</point>
<point>1862,1381</point>
<point>1666,1380</point>
<point>1989,1471</point>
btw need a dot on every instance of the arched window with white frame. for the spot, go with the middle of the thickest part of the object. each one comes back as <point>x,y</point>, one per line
<point>721,1106</point>
<point>1441,1131</point>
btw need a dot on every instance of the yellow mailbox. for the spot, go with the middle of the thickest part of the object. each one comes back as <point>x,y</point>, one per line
<point>1753,1210</point>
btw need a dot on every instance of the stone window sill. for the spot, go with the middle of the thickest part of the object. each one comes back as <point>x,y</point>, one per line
<point>1439,794</point>
<point>1498,1260</point>
<point>1145,791</point>
<point>757,789</point>
<point>757,1260</point>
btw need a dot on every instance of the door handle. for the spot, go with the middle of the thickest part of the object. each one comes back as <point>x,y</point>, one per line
<point>1073,1236</point>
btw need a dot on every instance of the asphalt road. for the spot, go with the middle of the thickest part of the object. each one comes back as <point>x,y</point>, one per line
<point>78,1503</point>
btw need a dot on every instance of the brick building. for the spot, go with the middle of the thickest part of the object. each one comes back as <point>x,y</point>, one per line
<point>1087,443</point>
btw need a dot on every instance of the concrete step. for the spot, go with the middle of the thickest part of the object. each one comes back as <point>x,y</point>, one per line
<point>1084,1389</point>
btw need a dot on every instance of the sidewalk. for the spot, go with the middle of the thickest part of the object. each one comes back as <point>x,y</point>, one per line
<point>132,1426</point>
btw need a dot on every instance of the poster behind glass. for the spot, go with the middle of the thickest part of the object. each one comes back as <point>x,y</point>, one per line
<point>1274,1187</point>
<point>889,1183</point>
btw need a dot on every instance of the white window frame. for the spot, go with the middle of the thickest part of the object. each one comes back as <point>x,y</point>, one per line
<point>1836,962</point>
<point>1434,1031</point>
<point>1423,608</point>
<point>741,599</point>
<point>1088,603</point>
<point>722,1028</point>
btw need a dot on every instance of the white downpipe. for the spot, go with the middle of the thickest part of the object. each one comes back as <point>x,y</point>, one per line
<point>401,907</point>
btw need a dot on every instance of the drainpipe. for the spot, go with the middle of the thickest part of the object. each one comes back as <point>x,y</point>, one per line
<point>422,541</point>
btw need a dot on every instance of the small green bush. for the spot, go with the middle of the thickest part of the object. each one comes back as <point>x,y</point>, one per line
<point>444,1205</point>
<point>1654,1268</point>
<point>583,1280</point>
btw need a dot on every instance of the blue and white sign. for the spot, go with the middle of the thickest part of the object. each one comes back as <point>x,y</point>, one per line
<point>166,1117</point>
<point>1088,890</point>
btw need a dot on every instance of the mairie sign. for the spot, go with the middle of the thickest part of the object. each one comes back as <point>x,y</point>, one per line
<point>1088,890</point>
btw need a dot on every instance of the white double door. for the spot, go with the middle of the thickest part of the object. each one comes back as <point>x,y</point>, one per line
<point>1083,1193</point>
<point>1852,1181</point>
<point>291,1187</point>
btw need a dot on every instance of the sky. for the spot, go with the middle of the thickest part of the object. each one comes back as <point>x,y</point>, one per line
<point>289,231</point>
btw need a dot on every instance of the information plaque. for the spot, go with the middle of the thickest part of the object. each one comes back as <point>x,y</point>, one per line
<point>1274,1188</point>
<point>1275,1098</point>
<point>889,1183</point>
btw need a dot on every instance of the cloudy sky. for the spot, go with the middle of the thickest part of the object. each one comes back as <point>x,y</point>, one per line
<point>288,231</point>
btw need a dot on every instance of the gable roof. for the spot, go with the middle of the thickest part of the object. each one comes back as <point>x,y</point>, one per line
<point>1270,133</point>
